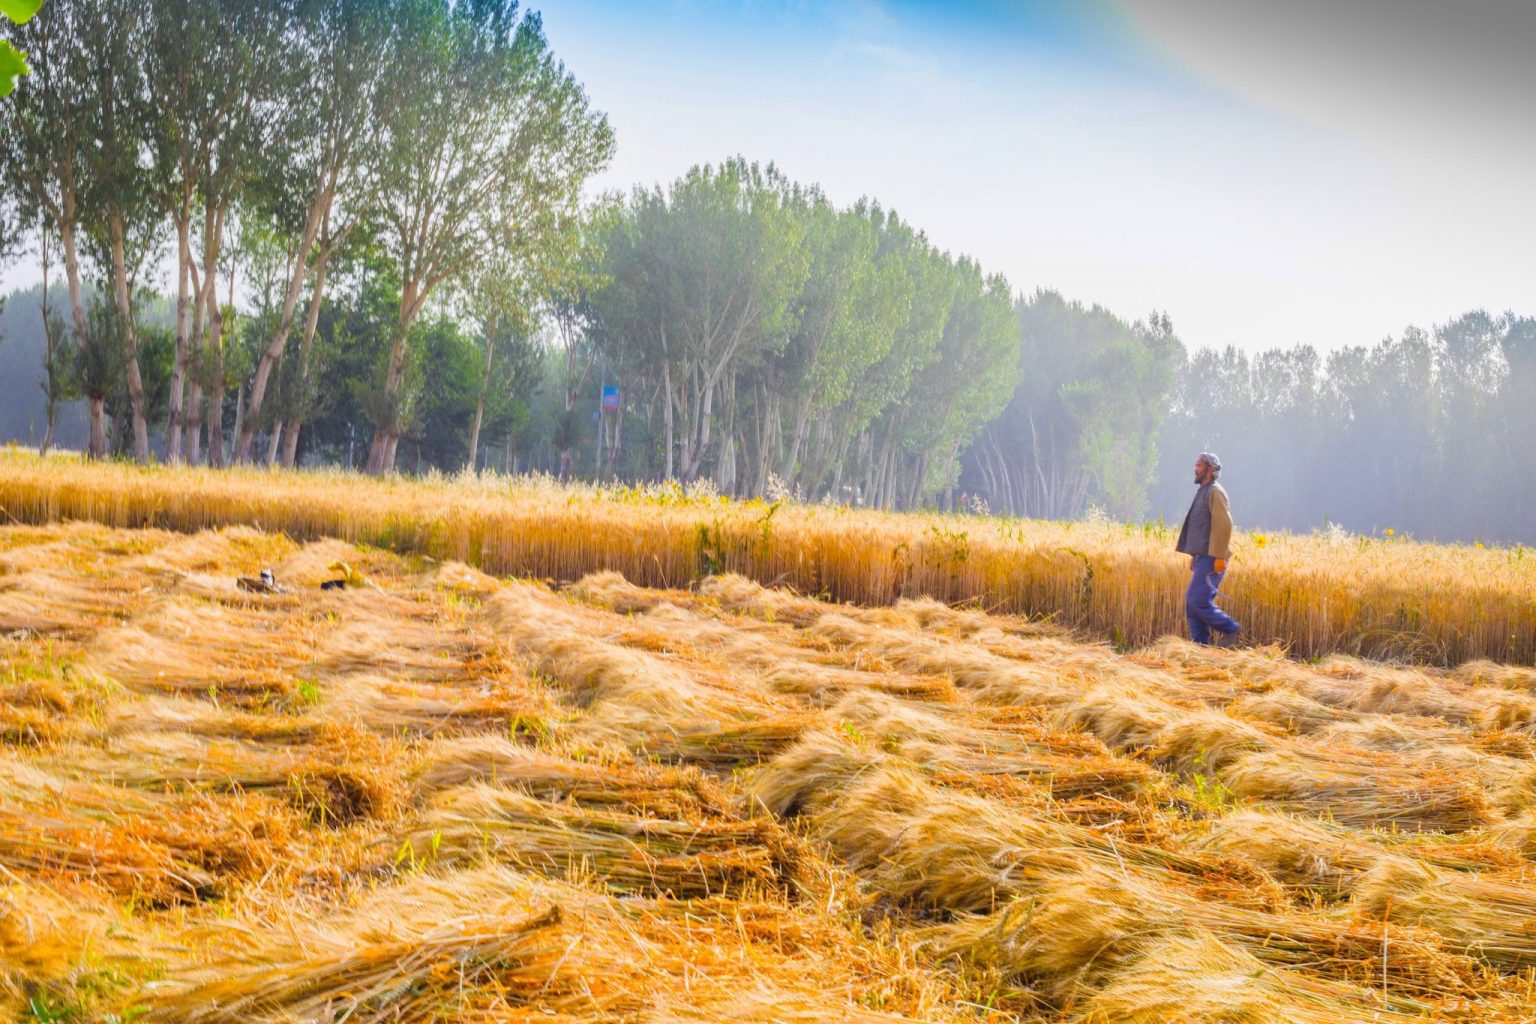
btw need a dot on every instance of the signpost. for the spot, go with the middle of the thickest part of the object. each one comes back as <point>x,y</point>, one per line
<point>608,440</point>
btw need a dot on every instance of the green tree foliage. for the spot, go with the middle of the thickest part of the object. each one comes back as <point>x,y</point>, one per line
<point>13,63</point>
<point>853,301</point>
<point>481,124</point>
<point>1084,421</point>
<point>1119,409</point>
<point>968,384</point>
<point>45,138</point>
<point>702,277</point>
<point>790,344</point>
<point>317,180</point>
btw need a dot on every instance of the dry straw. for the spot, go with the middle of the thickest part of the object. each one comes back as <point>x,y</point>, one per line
<point>447,797</point>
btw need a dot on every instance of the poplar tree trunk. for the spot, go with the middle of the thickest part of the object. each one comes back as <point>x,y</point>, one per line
<point>98,404</point>
<point>52,382</point>
<point>290,442</point>
<point>193,434</point>
<point>174,410</point>
<point>130,338</point>
<point>98,442</point>
<point>381,450</point>
<point>213,331</point>
<point>306,343</point>
<point>666,391</point>
<point>213,350</point>
<point>473,463</point>
<point>72,269</point>
<point>318,212</point>
<point>274,442</point>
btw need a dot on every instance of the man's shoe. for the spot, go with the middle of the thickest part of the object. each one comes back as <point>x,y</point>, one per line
<point>1228,639</point>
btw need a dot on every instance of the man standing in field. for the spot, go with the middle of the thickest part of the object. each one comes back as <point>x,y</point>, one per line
<point>1207,539</point>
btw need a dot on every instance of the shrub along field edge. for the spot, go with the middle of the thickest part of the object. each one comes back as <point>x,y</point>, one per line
<point>1315,595</point>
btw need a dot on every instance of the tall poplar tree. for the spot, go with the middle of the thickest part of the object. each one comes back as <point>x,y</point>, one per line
<point>479,123</point>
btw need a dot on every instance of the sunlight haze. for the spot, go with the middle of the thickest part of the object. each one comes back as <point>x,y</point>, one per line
<point>1262,183</point>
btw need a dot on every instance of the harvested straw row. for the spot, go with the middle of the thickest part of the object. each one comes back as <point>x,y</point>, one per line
<point>1198,979</point>
<point>1442,604</point>
<point>505,962</point>
<point>176,851</point>
<point>335,775</point>
<point>958,742</point>
<point>1490,919</point>
<point>1127,715</point>
<point>630,697</point>
<point>919,844</point>
<point>653,856</point>
<point>1077,929</point>
<point>776,657</point>
<point>632,788</point>
<point>952,852</point>
<point>490,944</point>
<point>1360,790</point>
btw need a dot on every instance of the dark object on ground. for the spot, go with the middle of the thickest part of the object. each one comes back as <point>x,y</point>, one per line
<point>334,585</point>
<point>266,583</point>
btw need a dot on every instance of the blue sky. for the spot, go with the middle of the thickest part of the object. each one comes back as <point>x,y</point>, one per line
<point>1264,177</point>
<point>1268,173</point>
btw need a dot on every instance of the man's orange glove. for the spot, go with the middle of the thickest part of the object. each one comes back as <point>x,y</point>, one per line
<point>1221,565</point>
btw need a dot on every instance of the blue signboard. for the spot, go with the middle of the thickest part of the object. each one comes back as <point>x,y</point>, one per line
<point>610,398</point>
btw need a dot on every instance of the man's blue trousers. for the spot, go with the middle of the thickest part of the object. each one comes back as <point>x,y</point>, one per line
<point>1200,602</point>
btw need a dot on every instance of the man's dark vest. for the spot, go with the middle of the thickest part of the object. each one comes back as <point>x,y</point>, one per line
<point>1195,537</point>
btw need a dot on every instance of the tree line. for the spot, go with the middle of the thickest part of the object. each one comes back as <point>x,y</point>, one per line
<point>376,251</point>
<point>440,142</point>
<point>1430,433</point>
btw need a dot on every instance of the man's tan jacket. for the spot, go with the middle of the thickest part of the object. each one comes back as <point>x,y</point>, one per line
<point>1221,523</point>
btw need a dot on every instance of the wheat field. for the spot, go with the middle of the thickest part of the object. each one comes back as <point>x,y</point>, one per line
<point>443,795</point>
<point>1384,596</point>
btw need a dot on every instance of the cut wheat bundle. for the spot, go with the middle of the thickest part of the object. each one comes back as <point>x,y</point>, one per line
<point>175,851</point>
<point>1359,789</point>
<point>1485,917</point>
<point>1482,672</point>
<point>962,742</point>
<point>747,597</point>
<point>1312,857</point>
<point>1290,710</point>
<point>989,677</point>
<point>1370,686</point>
<point>632,787</point>
<point>622,852</point>
<point>915,844</point>
<point>1076,930</point>
<point>1197,979</point>
<point>501,962</point>
<point>1186,740</point>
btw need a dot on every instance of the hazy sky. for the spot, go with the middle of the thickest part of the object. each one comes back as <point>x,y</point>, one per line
<point>1266,172</point>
